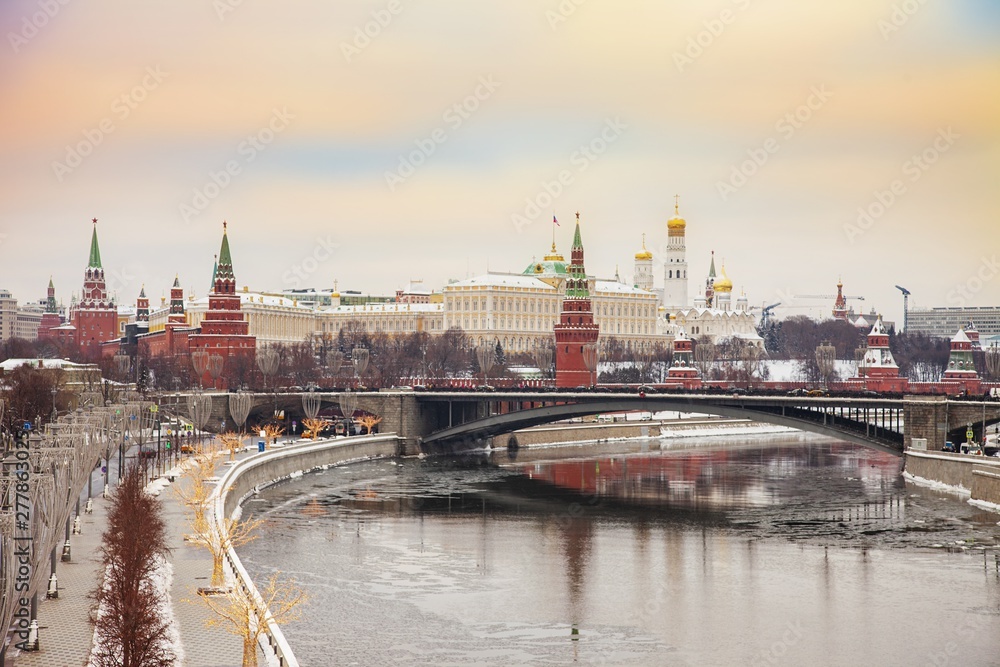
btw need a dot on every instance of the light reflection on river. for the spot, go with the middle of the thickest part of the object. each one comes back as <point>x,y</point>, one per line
<point>781,552</point>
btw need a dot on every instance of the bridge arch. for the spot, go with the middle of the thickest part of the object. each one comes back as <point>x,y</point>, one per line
<point>822,423</point>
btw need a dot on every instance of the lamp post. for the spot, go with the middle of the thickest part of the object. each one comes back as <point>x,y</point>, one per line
<point>359,357</point>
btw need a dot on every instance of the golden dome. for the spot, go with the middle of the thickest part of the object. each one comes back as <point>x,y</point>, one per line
<point>723,284</point>
<point>676,223</point>
<point>553,255</point>
<point>645,254</point>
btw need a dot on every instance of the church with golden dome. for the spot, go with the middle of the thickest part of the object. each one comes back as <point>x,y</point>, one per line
<point>713,313</point>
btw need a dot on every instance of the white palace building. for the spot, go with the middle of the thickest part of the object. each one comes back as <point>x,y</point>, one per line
<point>518,309</point>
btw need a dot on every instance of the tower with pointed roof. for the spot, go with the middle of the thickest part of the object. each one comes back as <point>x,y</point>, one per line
<point>642,276</point>
<point>224,329</point>
<point>840,305</point>
<point>961,364</point>
<point>877,366</point>
<point>95,316</point>
<point>682,371</point>
<point>176,316</point>
<point>142,306</point>
<point>576,332</point>
<point>50,318</point>
<point>675,267</point>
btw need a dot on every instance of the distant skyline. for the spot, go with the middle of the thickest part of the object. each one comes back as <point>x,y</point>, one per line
<point>370,143</point>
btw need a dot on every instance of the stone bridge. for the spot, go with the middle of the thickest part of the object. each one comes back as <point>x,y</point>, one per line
<point>435,422</point>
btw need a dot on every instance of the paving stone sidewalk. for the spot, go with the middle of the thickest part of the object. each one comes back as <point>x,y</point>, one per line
<point>66,629</point>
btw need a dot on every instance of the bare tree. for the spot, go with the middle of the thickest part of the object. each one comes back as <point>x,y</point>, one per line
<point>245,615</point>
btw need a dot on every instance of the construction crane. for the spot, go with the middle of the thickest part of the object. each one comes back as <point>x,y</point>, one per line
<point>906,305</point>
<point>765,317</point>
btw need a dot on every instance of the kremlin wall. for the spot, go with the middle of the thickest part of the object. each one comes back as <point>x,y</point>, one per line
<point>550,303</point>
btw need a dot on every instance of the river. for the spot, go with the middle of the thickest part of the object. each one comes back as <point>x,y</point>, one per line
<point>785,550</point>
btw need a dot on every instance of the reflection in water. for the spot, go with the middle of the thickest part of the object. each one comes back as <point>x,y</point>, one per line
<point>769,554</point>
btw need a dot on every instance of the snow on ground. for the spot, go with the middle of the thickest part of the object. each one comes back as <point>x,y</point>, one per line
<point>937,486</point>
<point>790,370</point>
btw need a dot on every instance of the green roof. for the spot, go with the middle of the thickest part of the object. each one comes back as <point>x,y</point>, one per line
<point>548,267</point>
<point>95,251</point>
<point>224,267</point>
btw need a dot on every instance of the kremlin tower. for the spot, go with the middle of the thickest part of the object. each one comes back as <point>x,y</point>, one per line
<point>576,330</point>
<point>224,330</point>
<point>682,371</point>
<point>142,306</point>
<point>176,316</point>
<point>675,268</point>
<point>961,364</point>
<point>50,319</point>
<point>878,367</point>
<point>94,319</point>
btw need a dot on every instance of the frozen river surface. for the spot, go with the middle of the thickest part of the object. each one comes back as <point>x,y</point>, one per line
<point>779,551</point>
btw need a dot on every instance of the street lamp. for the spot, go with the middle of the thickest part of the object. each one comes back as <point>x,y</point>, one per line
<point>359,357</point>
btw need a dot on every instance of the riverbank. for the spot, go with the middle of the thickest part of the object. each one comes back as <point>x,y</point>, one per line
<point>974,478</point>
<point>589,432</point>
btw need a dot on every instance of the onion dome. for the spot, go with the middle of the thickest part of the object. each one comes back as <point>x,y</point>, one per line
<point>645,254</point>
<point>723,284</point>
<point>676,223</point>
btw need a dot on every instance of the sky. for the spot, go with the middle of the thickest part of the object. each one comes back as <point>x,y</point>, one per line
<point>371,143</point>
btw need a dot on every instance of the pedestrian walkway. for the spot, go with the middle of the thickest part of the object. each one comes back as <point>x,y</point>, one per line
<point>66,629</point>
<point>65,624</point>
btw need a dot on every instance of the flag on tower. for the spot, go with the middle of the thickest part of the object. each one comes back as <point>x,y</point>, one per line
<point>554,221</point>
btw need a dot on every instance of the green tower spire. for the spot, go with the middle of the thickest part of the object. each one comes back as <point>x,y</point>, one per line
<point>95,250</point>
<point>576,284</point>
<point>224,266</point>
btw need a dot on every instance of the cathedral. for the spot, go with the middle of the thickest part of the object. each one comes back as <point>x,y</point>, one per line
<point>713,312</point>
